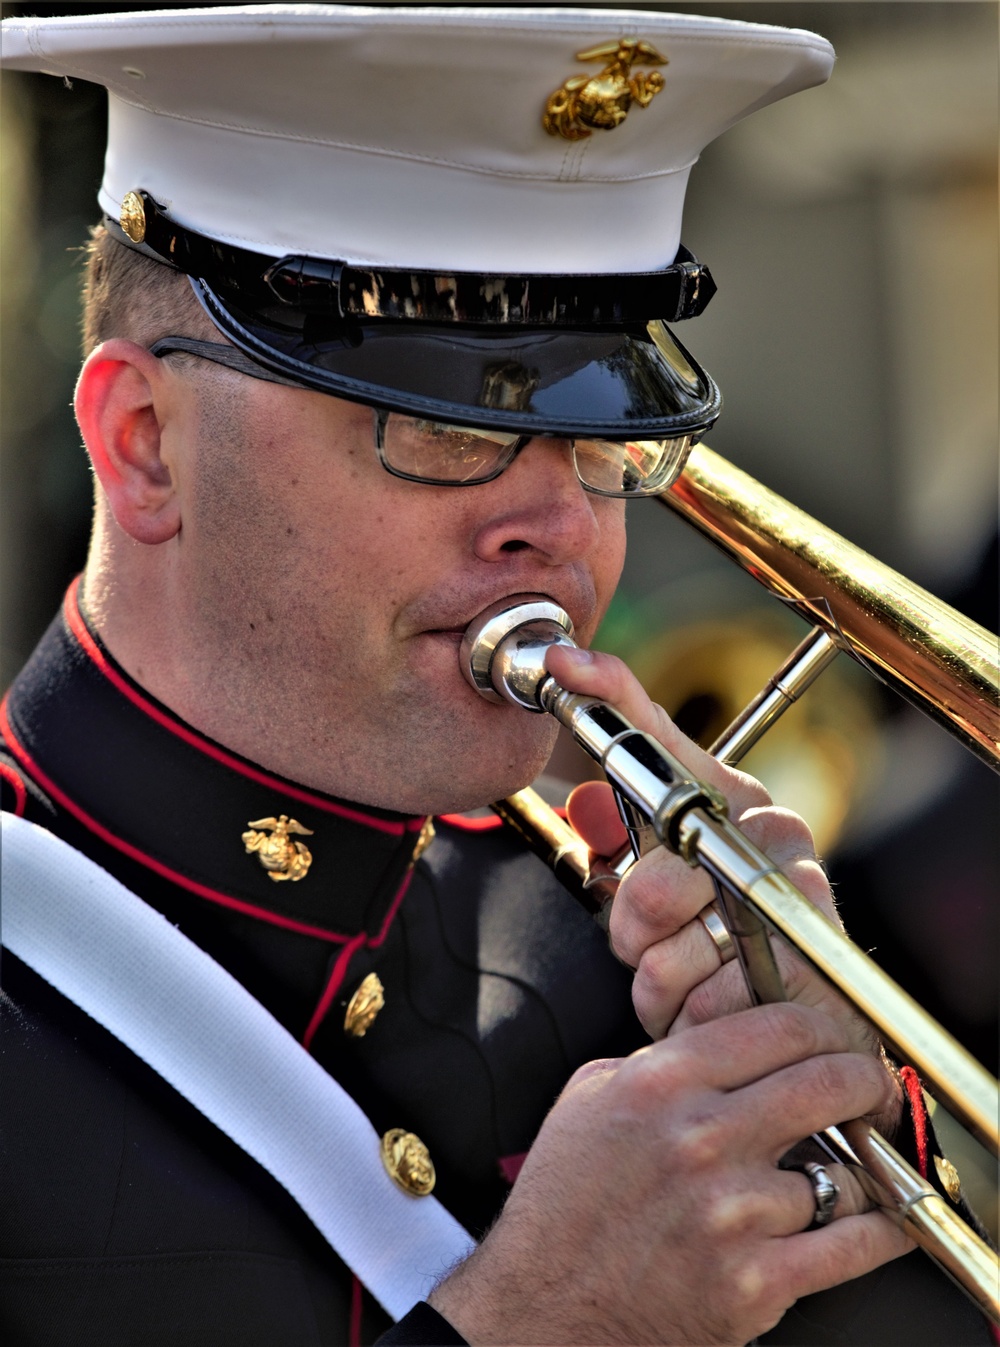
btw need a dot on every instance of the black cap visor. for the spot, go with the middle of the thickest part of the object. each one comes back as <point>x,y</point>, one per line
<point>609,382</point>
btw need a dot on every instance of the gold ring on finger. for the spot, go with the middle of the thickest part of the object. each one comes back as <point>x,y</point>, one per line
<point>717,929</point>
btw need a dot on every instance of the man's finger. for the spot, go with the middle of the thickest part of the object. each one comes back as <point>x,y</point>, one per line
<point>819,1259</point>
<point>788,1205</point>
<point>810,1096</point>
<point>657,898</point>
<point>735,1052</point>
<point>593,814</point>
<point>596,674</point>
<point>671,971</point>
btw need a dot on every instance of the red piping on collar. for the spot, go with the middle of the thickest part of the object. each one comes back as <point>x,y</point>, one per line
<point>481,823</point>
<point>127,849</point>
<point>339,971</point>
<point>13,779</point>
<point>472,825</point>
<point>78,626</point>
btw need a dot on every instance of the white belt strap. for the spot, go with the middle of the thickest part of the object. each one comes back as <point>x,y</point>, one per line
<point>173,1006</point>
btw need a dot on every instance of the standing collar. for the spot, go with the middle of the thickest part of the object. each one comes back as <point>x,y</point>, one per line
<point>144,782</point>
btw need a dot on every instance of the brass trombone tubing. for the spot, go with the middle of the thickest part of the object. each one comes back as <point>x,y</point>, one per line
<point>925,1216</point>
<point>883,1174</point>
<point>800,670</point>
<point>591,881</point>
<point>936,658</point>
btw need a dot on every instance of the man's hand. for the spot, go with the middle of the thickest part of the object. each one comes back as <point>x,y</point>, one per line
<point>651,1209</point>
<point>679,978</point>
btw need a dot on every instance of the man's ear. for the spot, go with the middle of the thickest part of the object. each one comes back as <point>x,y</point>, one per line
<point>120,400</point>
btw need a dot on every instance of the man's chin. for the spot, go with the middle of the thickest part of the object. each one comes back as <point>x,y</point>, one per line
<point>497,770</point>
<point>477,795</point>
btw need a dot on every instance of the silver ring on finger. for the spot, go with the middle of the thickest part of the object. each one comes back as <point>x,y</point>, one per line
<point>825,1193</point>
<point>717,929</point>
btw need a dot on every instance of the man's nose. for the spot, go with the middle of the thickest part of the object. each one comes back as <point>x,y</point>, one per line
<point>539,504</point>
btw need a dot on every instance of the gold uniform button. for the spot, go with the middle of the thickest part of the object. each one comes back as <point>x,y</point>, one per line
<point>424,839</point>
<point>948,1175</point>
<point>408,1162</point>
<point>364,1005</point>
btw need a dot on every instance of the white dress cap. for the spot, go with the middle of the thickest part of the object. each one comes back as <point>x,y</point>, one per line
<point>414,137</point>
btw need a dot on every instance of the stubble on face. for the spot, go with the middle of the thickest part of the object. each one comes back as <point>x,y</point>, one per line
<point>312,576</point>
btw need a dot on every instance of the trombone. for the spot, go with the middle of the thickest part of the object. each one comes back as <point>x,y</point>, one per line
<point>940,661</point>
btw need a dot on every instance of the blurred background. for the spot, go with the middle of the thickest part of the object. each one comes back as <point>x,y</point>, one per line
<point>853,234</point>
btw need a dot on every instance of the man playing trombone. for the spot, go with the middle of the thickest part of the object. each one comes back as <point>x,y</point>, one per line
<point>375,337</point>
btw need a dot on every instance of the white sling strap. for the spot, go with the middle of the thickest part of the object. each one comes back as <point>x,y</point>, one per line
<point>172,1005</point>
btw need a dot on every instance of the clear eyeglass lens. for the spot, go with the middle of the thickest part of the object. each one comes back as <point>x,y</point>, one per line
<point>436,452</point>
<point>630,467</point>
<point>443,453</point>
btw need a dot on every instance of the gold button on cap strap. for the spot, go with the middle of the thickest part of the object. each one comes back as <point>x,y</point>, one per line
<point>133,217</point>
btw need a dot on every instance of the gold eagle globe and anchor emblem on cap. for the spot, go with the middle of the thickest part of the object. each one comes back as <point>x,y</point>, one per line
<point>280,856</point>
<point>408,1162</point>
<point>588,103</point>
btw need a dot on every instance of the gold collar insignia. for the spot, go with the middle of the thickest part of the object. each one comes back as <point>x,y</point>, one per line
<point>278,854</point>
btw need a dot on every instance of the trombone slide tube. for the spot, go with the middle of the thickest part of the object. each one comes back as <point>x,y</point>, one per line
<point>803,666</point>
<point>966,1089</point>
<point>688,819</point>
<point>925,1216</point>
<point>588,878</point>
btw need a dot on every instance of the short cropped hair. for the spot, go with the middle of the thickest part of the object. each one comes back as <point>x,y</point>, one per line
<point>126,294</point>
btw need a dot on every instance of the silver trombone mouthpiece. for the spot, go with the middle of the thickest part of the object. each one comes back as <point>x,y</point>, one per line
<point>503,649</point>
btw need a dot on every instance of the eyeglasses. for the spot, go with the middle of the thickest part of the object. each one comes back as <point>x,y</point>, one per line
<point>440,454</point>
<point>446,455</point>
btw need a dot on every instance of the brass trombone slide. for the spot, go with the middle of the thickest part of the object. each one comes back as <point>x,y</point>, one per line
<point>503,656</point>
<point>942,662</point>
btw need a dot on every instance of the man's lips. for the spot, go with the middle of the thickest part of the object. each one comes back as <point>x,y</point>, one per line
<point>451,630</point>
<point>451,634</point>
